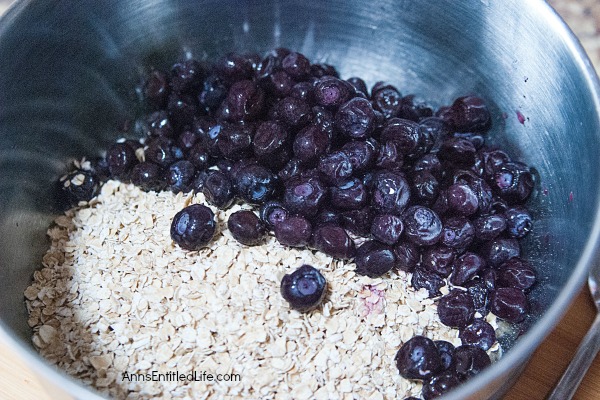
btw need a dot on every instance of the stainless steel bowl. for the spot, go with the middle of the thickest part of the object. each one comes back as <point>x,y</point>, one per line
<point>68,68</point>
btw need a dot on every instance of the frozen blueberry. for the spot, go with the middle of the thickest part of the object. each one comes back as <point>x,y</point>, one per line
<point>466,267</point>
<point>218,189</point>
<point>121,159</point>
<point>335,168</point>
<point>418,358</point>
<point>156,88</point>
<point>272,212</point>
<point>518,222</point>
<point>422,226</point>
<point>490,226</point>
<point>469,114</point>
<point>479,333</point>
<point>512,182</point>
<point>387,228</point>
<point>500,250</point>
<point>304,195</point>
<point>458,233</point>
<point>516,273</point>
<point>386,99</point>
<point>374,259</point>
<point>293,231</point>
<point>456,309</point>
<point>362,154</point>
<point>390,192</point>
<point>426,279</point>
<point>246,228</point>
<point>332,92</point>
<point>462,200</point>
<point>334,241</point>
<point>79,185</point>
<point>356,119</point>
<point>193,227</point>
<point>470,361</point>
<point>440,384</point>
<point>214,91</point>
<point>439,259</point>
<point>351,195</point>
<point>509,304</point>
<point>407,255</point>
<point>304,289</point>
<point>446,350</point>
<point>256,184</point>
<point>310,144</point>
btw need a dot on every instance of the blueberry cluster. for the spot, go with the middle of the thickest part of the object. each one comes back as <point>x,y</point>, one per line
<point>371,176</point>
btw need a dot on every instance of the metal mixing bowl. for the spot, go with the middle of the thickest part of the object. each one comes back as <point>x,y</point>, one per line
<point>68,68</point>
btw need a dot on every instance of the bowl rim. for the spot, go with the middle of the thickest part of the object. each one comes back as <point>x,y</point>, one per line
<point>518,355</point>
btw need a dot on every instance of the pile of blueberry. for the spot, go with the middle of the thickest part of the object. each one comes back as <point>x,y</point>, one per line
<point>372,176</point>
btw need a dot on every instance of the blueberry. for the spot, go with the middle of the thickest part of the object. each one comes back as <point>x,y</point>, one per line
<point>374,259</point>
<point>425,187</point>
<point>356,119</point>
<point>246,228</point>
<point>479,333</point>
<point>182,108</point>
<point>244,102</point>
<point>193,227</point>
<point>218,189</point>
<point>500,250</point>
<point>256,184</point>
<point>332,92</point>
<point>334,241</point>
<point>386,99</point>
<point>198,156</point>
<point>513,182</point>
<point>214,91</point>
<point>422,226</point>
<point>466,267</point>
<point>159,125</point>
<point>235,141</point>
<point>516,273</point>
<point>310,144</point>
<point>357,221</point>
<point>121,159</point>
<point>418,358</point>
<point>335,168</point>
<point>389,157</point>
<point>457,232</point>
<point>406,134</point>
<point>362,154</point>
<point>303,91</point>
<point>148,176</point>
<point>296,65</point>
<point>304,195</point>
<point>294,112</point>
<point>426,279</point>
<point>440,384</point>
<point>162,151</point>
<point>359,85</point>
<point>390,193</point>
<point>179,176</point>
<point>414,110</point>
<point>387,228</point>
<point>479,292</point>
<point>156,88</point>
<point>321,70</point>
<point>509,304</point>
<point>446,350</point>
<point>327,216</point>
<point>79,185</point>
<point>458,151</point>
<point>187,76</point>
<point>272,212</point>
<point>439,259</point>
<point>270,140</point>
<point>518,222</point>
<point>489,227</point>
<point>470,361</point>
<point>234,67</point>
<point>351,195</point>
<point>462,200</point>
<point>436,128</point>
<point>293,231</point>
<point>456,309</point>
<point>469,114</point>
<point>304,289</point>
<point>291,169</point>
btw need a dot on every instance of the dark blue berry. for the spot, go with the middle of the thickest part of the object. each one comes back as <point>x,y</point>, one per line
<point>272,212</point>
<point>334,241</point>
<point>390,193</point>
<point>293,231</point>
<point>509,304</point>
<point>246,228</point>
<point>351,195</point>
<point>79,185</point>
<point>218,189</point>
<point>356,119</point>
<point>180,175</point>
<point>374,259</point>
<point>479,334</point>
<point>304,289</point>
<point>418,358</point>
<point>387,228</point>
<point>256,184</point>
<point>470,361</point>
<point>193,227</point>
<point>456,309</point>
<point>518,222</point>
<point>304,195</point>
<point>422,226</point>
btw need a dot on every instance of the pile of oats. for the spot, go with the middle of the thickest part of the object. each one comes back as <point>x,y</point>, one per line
<point>116,295</point>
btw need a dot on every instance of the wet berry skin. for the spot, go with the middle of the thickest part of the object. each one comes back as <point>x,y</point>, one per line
<point>509,304</point>
<point>500,250</point>
<point>272,212</point>
<point>246,228</point>
<point>356,119</point>
<point>387,228</point>
<point>334,241</point>
<point>304,289</point>
<point>179,176</point>
<point>374,259</point>
<point>79,185</point>
<point>351,195</point>
<point>458,151</point>
<point>390,192</point>
<point>446,350</point>
<point>362,154</point>
<point>426,279</point>
<point>517,274</point>
<point>335,168</point>
<point>294,231</point>
<point>466,267</point>
<point>519,222</point>
<point>456,309</point>
<point>422,226</point>
<point>386,99</point>
<point>304,195</point>
<point>310,144</point>
<point>470,361</point>
<point>332,92</point>
<point>218,189</point>
<point>462,200</point>
<point>439,385</point>
<point>512,182</point>
<point>489,227</point>
<point>256,184</point>
<point>407,255</point>
<point>418,358</point>
<point>156,88</point>
<point>479,333</point>
<point>193,227</point>
<point>457,233</point>
<point>439,259</point>
<point>147,176</point>
<point>469,114</point>
<point>121,159</point>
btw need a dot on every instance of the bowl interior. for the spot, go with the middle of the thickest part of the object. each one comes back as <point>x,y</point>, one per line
<point>73,67</point>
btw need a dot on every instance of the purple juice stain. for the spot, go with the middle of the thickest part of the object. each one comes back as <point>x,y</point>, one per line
<point>520,117</point>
